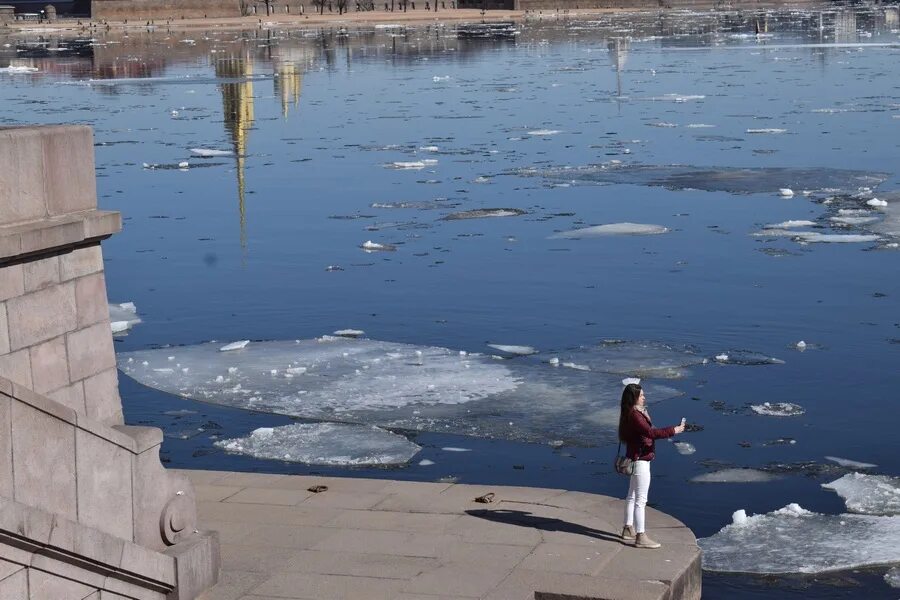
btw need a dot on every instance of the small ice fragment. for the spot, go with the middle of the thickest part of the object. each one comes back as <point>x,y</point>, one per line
<point>767,130</point>
<point>207,152</point>
<point>429,148</point>
<point>612,229</point>
<point>684,448</point>
<point>739,517</point>
<point>370,246</point>
<point>556,443</point>
<point>544,132</point>
<point>438,78</point>
<point>734,476</point>
<point>892,577</point>
<point>425,462</point>
<point>119,326</point>
<point>220,379</point>
<point>234,346</point>
<point>852,464</point>
<point>721,357</point>
<point>801,345</point>
<point>576,366</point>
<point>170,358</point>
<point>554,361</point>
<point>510,349</point>
<point>790,224</point>
<point>351,333</point>
<point>786,192</point>
<point>455,449</point>
<point>232,370</point>
<point>778,409</point>
<point>876,202</point>
<point>184,164</point>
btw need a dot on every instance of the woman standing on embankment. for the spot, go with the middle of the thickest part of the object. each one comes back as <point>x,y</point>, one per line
<point>637,432</point>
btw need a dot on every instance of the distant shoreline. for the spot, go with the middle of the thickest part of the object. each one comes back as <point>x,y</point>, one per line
<point>358,19</point>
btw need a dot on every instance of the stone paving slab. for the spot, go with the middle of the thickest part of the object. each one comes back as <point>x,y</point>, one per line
<point>369,539</point>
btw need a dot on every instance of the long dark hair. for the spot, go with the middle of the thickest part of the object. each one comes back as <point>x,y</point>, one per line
<point>630,396</point>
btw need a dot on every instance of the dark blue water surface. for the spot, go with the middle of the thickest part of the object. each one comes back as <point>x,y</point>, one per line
<point>237,246</point>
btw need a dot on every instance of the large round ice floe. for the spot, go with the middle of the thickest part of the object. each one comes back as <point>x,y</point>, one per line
<point>868,494</point>
<point>324,444</point>
<point>395,385</point>
<point>321,377</point>
<point>795,540</point>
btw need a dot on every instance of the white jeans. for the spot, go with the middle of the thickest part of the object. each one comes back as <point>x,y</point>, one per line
<point>636,500</point>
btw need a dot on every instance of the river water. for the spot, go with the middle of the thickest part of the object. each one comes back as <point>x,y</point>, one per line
<point>284,184</point>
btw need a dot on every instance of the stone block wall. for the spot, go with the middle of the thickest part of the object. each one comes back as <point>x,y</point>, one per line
<point>118,10</point>
<point>86,508</point>
<point>54,319</point>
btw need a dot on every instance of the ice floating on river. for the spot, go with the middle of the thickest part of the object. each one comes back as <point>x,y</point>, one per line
<point>747,358</point>
<point>398,386</point>
<point>209,152</point>
<point>612,229</point>
<point>795,540</point>
<point>868,494</point>
<point>790,224</point>
<point>123,316</point>
<point>324,444</point>
<point>482,213</point>
<point>637,359</point>
<point>414,164</point>
<point>684,448</point>
<point>234,346</point>
<point>876,202</point>
<point>778,409</point>
<point>351,333</point>
<point>370,246</point>
<point>892,577</point>
<point>509,349</point>
<point>734,476</point>
<point>540,132</point>
<point>16,69</point>
<point>786,193</point>
<point>767,130</point>
<point>852,464</point>
<point>735,180</point>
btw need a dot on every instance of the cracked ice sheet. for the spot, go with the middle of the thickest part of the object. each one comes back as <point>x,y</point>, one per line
<point>394,385</point>
<point>868,494</point>
<point>794,540</point>
<point>324,444</point>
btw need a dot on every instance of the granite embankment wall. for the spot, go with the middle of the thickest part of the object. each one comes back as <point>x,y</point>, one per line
<point>86,509</point>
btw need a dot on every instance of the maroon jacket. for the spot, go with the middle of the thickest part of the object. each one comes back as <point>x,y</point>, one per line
<point>640,435</point>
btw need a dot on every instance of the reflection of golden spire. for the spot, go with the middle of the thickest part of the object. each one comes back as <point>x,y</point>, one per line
<point>237,105</point>
<point>288,82</point>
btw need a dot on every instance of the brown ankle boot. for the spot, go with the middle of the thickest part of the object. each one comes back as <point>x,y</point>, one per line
<point>628,532</point>
<point>642,540</point>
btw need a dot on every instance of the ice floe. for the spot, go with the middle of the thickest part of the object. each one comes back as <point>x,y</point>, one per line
<point>786,193</point>
<point>868,494</point>
<point>412,164</point>
<point>611,229</point>
<point>234,346</point>
<point>482,213</point>
<point>684,448</point>
<point>746,358</point>
<point>778,409</point>
<point>397,386</point>
<point>123,316</point>
<point>852,464</point>
<point>639,359</point>
<point>544,132</point>
<point>511,349</point>
<point>767,130</point>
<point>17,69</point>
<point>795,540</point>
<point>351,333</point>
<point>735,180</point>
<point>370,246</point>
<point>324,444</point>
<point>734,476</point>
<point>210,152</point>
<point>892,577</point>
